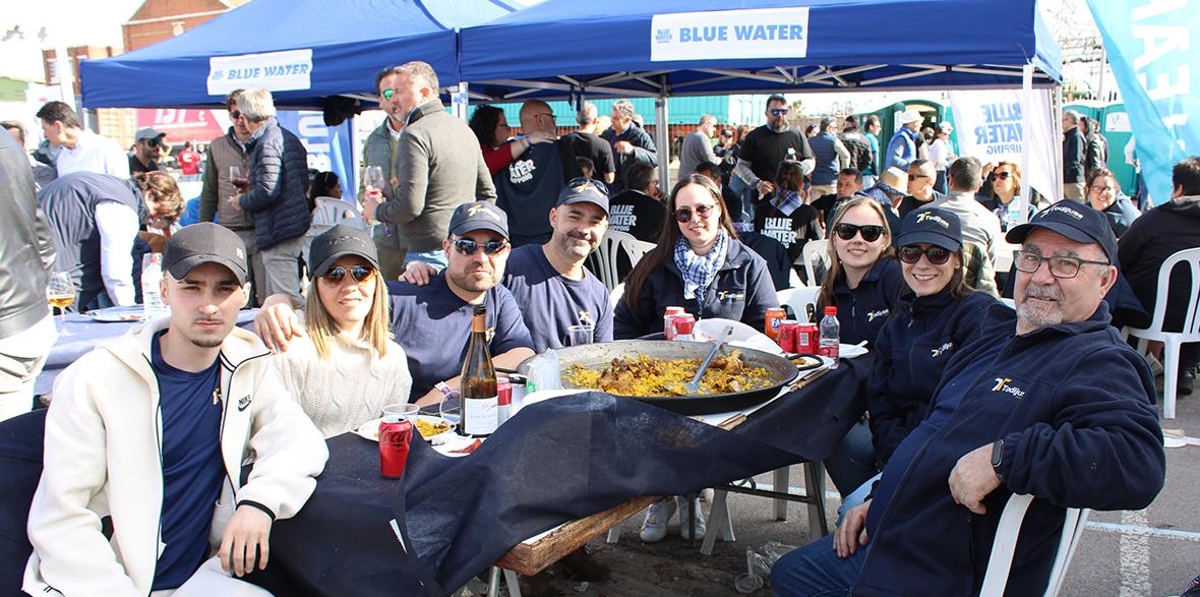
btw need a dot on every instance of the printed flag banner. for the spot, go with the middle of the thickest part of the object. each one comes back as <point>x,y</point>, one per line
<point>988,124</point>
<point>1152,46</point>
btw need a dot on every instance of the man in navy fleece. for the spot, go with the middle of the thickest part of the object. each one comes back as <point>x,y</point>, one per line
<point>1058,407</point>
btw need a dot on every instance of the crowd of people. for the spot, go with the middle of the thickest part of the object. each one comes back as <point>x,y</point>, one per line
<point>969,399</point>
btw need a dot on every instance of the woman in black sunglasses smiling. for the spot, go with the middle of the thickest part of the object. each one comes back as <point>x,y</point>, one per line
<point>346,367</point>
<point>698,264</point>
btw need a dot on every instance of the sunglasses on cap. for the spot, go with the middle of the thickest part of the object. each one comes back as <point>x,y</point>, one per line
<point>466,246</point>
<point>870,232</point>
<point>912,254</point>
<point>779,111</point>
<point>583,181</point>
<point>360,273</point>
<point>683,215</point>
<point>998,176</point>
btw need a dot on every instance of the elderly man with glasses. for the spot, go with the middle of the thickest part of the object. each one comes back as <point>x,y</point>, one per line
<point>531,183</point>
<point>630,143</point>
<point>1058,407</point>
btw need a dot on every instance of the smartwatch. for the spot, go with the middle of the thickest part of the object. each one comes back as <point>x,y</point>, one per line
<point>998,457</point>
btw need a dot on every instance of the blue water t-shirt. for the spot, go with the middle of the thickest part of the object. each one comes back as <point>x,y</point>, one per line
<point>433,325</point>
<point>190,406</point>
<point>551,303</point>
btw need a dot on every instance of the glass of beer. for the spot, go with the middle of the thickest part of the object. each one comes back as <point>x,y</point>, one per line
<point>61,293</point>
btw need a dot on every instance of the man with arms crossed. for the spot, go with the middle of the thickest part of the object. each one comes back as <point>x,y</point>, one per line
<point>1059,407</point>
<point>153,428</point>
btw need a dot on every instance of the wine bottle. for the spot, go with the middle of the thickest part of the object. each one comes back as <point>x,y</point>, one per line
<point>480,398</point>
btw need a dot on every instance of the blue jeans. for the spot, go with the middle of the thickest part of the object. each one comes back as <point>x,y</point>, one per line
<point>853,461</point>
<point>856,498</point>
<point>815,570</point>
<point>435,258</point>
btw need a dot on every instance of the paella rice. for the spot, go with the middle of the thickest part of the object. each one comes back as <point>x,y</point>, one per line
<point>642,376</point>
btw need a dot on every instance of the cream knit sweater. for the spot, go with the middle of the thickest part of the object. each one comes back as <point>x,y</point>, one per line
<point>349,388</point>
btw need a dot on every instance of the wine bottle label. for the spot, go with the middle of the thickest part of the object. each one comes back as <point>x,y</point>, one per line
<point>479,415</point>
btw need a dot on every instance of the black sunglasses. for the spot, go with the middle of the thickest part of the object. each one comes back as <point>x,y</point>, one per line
<point>779,111</point>
<point>581,182</point>
<point>998,175</point>
<point>870,232</point>
<point>466,246</point>
<point>360,273</point>
<point>683,215</point>
<point>912,254</point>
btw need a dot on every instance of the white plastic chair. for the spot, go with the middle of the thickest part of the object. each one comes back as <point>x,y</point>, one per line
<point>614,296</point>
<point>719,522</point>
<point>799,299</point>
<point>814,249</point>
<point>330,212</point>
<point>606,254</point>
<point>1005,544</point>
<point>1172,340</point>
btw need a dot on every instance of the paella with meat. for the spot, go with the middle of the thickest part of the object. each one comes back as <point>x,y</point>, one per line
<point>643,376</point>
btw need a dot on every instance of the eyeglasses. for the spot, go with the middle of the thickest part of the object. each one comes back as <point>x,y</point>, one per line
<point>1061,267</point>
<point>550,114</point>
<point>360,273</point>
<point>466,246</point>
<point>916,176</point>
<point>870,232</point>
<point>234,115</point>
<point>581,182</point>
<point>998,176</point>
<point>683,215</point>
<point>912,254</point>
<point>779,111</point>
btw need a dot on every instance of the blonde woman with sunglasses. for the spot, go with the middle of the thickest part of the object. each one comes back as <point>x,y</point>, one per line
<point>345,367</point>
<point>699,265</point>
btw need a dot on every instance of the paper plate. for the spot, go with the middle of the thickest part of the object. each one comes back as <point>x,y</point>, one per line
<point>370,429</point>
<point>117,314</point>
<point>850,351</point>
<point>742,335</point>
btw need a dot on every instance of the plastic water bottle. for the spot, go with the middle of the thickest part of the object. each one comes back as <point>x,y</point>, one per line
<point>152,303</point>
<point>831,332</point>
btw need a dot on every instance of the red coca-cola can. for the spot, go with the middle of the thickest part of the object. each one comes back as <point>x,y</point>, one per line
<point>394,439</point>
<point>807,338</point>
<point>669,321</point>
<point>788,330</point>
<point>504,397</point>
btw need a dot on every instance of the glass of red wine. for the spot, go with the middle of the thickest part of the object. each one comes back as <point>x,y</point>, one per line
<point>242,183</point>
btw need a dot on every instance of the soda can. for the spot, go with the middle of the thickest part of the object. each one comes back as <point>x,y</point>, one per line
<point>807,339</point>
<point>394,439</point>
<point>504,393</point>
<point>771,325</point>
<point>788,331</point>
<point>685,326</point>
<point>668,321</point>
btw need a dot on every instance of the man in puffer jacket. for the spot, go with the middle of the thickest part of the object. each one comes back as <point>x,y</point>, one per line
<point>277,198</point>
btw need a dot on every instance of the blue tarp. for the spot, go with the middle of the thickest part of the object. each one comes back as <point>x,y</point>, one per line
<point>605,47</point>
<point>351,40</point>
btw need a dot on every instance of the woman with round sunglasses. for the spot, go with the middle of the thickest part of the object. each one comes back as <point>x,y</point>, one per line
<point>1001,187</point>
<point>345,367</point>
<point>1105,196</point>
<point>698,264</point>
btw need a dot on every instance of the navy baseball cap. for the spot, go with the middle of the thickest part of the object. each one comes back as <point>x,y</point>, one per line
<point>202,243</point>
<point>584,190</point>
<point>337,242</point>
<point>932,225</point>
<point>1073,220</point>
<point>478,215</point>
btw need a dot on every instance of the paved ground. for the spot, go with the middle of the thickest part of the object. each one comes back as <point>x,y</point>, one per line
<point>1150,553</point>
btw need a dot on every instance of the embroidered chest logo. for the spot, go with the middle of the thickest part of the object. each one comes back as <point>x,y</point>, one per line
<point>490,333</point>
<point>244,402</point>
<point>1003,385</point>
<point>941,350</point>
<point>880,313</point>
<point>585,318</point>
<point>730,295</point>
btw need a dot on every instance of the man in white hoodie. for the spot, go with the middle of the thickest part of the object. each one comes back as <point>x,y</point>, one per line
<point>154,428</point>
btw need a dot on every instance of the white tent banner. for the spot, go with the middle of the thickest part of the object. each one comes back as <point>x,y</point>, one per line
<point>989,127</point>
<point>726,34</point>
<point>273,71</point>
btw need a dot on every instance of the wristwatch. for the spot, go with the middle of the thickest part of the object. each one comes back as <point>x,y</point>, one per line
<point>998,457</point>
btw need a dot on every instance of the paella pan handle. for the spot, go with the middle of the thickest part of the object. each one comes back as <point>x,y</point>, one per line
<point>694,385</point>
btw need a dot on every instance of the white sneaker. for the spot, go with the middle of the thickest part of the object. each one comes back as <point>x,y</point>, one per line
<point>654,528</point>
<point>685,530</point>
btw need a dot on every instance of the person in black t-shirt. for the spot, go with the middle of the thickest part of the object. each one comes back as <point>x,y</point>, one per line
<point>770,144</point>
<point>639,210</point>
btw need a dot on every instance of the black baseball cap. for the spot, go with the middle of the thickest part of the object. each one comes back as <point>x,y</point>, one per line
<point>932,225</point>
<point>202,243</point>
<point>478,215</point>
<point>337,242</point>
<point>584,190</point>
<point>1073,220</point>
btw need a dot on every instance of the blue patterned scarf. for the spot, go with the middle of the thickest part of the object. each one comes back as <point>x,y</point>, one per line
<point>699,271</point>
<point>787,201</point>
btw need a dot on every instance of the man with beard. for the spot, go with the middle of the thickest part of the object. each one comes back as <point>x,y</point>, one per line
<point>1059,407</point>
<point>433,322</point>
<point>770,144</point>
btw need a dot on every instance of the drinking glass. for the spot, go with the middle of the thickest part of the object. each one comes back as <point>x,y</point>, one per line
<point>60,292</point>
<point>398,412</point>
<point>579,335</point>
<point>451,408</point>
<point>239,181</point>
<point>373,178</point>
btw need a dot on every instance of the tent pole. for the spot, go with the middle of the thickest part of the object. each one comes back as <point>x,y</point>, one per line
<point>662,138</point>
<point>460,101</point>
<point>1026,121</point>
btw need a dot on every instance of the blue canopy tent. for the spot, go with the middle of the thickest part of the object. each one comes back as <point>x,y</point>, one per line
<point>303,50</point>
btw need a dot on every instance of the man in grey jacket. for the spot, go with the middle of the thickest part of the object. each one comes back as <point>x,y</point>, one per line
<point>380,150</point>
<point>26,258</point>
<point>439,166</point>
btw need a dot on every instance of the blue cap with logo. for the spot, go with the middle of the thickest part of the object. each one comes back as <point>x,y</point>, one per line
<point>932,225</point>
<point>1073,220</point>
<point>478,215</point>
<point>583,190</point>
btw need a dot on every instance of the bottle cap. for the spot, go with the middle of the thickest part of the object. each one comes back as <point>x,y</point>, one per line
<point>831,310</point>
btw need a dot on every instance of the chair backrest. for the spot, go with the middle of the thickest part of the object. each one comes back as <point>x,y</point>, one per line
<point>814,249</point>
<point>610,246</point>
<point>799,299</point>
<point>330,212</point>
<point>1005,545</point>
<point>1191,324</point>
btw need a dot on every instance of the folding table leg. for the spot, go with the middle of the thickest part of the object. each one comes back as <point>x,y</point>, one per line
<point>493,587</point>
<point>782,485</point>
<point>719,521</point>
<point>510,579</point>
<point>814,483</point>
<point>614,534</point>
